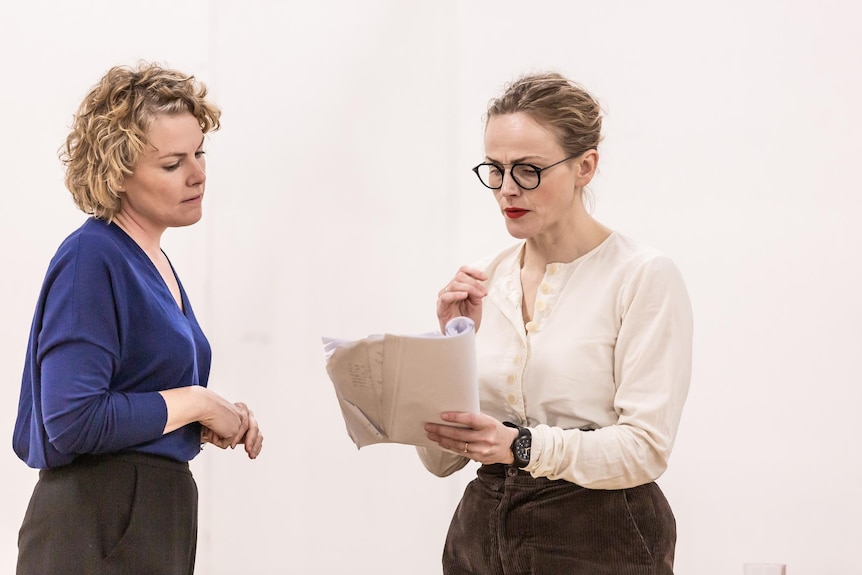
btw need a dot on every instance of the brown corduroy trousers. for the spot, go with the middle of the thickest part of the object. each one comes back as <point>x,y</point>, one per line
<point>509,523</point>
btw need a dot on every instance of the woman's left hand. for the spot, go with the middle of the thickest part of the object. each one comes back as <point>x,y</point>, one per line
<point>482,439</point>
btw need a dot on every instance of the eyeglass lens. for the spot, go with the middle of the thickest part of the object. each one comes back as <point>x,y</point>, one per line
<point>525,176</point>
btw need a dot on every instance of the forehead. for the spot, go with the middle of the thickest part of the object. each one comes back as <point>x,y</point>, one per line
<point>174,131</point>
<point>519,135</point>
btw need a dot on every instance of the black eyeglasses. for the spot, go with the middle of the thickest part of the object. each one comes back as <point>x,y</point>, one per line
<point>525,176</point>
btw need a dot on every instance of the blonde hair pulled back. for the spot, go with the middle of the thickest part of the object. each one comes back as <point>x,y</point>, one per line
<point>557,103</point>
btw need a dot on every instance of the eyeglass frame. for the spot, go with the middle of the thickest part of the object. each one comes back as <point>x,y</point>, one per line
<point>534,167</point>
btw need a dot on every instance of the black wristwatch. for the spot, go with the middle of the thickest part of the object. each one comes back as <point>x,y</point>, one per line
<point>522,444</point>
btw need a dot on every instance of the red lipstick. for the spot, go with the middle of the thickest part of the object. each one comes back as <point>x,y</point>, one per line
<point>515,213</point>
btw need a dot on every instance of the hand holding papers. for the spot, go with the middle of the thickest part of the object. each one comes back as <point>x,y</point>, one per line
<point>389,386</point>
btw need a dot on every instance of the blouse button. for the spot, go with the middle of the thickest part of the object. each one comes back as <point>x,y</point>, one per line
<point>531,326</point>
<point>511,379</point>
<point>516,360</point>
<point>545,288</point>
<point>540,306</point>
<point>512,399</point>
<point>554,268</point>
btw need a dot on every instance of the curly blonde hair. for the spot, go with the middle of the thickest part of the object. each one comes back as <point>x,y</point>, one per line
<point>109,131</point>
<point>554,101</point>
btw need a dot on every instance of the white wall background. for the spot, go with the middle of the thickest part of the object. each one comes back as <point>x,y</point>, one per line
<point>340,200</point>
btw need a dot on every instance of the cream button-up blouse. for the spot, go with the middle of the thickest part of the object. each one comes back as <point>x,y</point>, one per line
<point>599,375</point>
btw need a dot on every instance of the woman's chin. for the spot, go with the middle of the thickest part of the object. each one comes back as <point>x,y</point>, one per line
<point>518,231</point>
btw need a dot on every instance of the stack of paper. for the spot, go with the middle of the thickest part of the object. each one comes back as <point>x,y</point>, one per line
<point>389,386</point>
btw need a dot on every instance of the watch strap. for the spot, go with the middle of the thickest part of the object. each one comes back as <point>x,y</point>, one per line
<point>522,445</point>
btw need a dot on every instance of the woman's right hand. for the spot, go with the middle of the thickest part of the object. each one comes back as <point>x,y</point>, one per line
<point>252,439</point>
<point>197,403</point>
<point>226,420</point>
<point>462,297</point>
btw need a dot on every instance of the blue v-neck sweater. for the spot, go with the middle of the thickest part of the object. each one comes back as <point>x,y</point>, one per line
<point>107,336</point>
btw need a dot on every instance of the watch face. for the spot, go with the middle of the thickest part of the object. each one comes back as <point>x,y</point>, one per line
<point>521,445</point>
<point>522,448</point>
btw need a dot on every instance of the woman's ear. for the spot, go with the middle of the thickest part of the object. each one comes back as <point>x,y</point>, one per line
<point>116,184</point>
<point>586,168</point>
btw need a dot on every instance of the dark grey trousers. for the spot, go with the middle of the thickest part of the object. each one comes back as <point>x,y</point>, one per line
<point>509,523</point>
<point>122,514</point>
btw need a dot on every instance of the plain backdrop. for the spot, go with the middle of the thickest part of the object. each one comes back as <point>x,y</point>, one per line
<point>340,200</point>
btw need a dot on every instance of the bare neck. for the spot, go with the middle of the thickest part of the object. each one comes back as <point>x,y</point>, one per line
<point>581,235</point>
<point>148,240</point>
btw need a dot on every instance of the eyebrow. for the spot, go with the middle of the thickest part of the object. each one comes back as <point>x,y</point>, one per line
<point>181,154</point>
<point>521,160</point>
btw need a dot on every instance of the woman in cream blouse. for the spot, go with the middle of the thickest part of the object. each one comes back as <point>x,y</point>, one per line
<point>584,351</point>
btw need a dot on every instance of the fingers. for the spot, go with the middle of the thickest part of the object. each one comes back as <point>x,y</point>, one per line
<point>225,419</point>
<point>209,436</point>
<point>253,448</point>
<point>246,431</point>
<point>466,283</point>
<point>457,439</point>
<point>474,435</point>
<point>464,418</point>
<point>462,296</point>
<point>253,439</point>
<point>448,438</point>
<point>474,273</point>
<point>221,442</point>
<point>244,424</point>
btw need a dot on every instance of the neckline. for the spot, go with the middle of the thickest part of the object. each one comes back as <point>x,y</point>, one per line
<point>522,252</point>
<point>182,305</point>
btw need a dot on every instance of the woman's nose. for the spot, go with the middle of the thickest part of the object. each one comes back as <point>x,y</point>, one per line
<point>508,186</point>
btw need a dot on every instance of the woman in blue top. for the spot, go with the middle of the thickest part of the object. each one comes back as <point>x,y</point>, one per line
<point>114,399</point>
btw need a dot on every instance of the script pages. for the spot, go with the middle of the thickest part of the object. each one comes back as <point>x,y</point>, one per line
<point>389,386</point>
